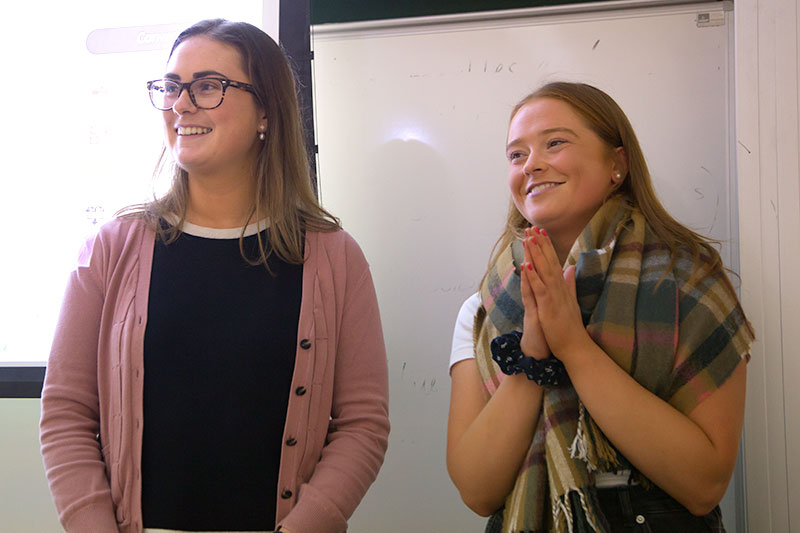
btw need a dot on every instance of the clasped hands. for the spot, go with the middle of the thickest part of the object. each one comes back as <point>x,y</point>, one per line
<point>552,322</point>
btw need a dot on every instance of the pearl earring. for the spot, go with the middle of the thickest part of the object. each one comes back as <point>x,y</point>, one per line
<point>619,176</point>
<point>261,134</point>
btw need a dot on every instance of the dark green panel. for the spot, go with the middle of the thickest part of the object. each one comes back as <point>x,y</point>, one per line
<point>324,11</point>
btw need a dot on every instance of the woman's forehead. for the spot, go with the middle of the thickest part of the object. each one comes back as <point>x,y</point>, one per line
<point>542,114</point>
<point>200,54</point>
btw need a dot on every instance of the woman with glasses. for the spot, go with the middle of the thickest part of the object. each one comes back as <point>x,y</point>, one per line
<point>598,376</point>
<point>219,362</point>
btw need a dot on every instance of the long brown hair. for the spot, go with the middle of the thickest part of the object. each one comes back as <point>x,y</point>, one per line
<point>606,119</point>
<point>284,190</point>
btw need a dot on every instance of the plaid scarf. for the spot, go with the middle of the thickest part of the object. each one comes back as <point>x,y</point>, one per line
<point>679,332</point>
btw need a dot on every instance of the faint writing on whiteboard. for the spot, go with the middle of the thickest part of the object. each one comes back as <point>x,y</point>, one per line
<point>461,287</point>
<point>95,213</point>
<point>427,386</point>
<point>491,67</point>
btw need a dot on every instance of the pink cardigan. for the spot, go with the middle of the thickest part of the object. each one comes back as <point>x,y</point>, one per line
<point>337,421</point>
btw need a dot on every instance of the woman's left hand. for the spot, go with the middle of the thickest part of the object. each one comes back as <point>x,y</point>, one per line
<point>556,298</point>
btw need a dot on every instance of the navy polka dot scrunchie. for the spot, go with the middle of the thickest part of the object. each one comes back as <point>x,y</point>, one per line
<point>509,357</point>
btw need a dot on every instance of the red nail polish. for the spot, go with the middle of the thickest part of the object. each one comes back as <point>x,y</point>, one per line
<point>544,232</point>
<point>530,266</point>
<point>537,229</point>
<point>534,240</point>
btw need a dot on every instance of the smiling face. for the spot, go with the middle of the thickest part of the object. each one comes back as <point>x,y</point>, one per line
<point>211,142</point>
<point>560,171</point>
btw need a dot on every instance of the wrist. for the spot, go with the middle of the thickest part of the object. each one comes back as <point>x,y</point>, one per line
<point>572,352</point>
<point>532,351</point>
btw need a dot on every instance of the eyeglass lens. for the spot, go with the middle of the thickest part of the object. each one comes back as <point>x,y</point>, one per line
<point>206,93</point>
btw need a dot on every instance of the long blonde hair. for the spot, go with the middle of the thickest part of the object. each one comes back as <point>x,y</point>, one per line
<point>284,189</point>
<point>606,119</point>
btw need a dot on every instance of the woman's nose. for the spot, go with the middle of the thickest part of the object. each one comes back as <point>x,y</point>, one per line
<point>533,163</point>
<point>184,103</point>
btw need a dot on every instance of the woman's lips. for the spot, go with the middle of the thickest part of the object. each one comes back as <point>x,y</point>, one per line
<point>191,130</point>
<point>538,188</point>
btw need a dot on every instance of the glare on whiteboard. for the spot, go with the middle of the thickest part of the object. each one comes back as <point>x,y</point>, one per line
<point>83,141</point>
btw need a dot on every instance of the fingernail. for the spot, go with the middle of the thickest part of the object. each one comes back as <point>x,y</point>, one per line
<point>534,240</point>
<point>544,232</point>
<point>530,266</point>
<point>537,229</point>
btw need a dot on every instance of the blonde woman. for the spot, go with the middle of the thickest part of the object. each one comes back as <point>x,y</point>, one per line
<point>598,377</point>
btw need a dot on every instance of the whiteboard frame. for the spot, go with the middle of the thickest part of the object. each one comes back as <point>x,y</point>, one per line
<point>510,16</point>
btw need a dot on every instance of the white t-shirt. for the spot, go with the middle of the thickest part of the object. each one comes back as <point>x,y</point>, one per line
<point>463,347</point>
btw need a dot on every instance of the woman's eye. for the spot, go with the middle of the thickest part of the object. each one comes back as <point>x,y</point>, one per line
<point>514,155</point>
<point>207,86</point>
<point>555,142</point>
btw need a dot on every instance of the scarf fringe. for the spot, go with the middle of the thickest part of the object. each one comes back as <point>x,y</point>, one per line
<point>561,506</point>
<point>579,449</point>
<point>591,446</point>
<point>606,456</point>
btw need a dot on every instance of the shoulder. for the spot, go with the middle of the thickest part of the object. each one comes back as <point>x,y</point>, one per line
<point>701,275</point>
<point>705,292</point>
<point>114,238</point>
<point>709,302</point>
<point>469,308</point>
<point>333,239</point>
<point>122,229</point>
<point>337,247</point>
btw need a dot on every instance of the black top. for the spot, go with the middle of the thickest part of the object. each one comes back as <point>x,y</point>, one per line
<point>219,353</point>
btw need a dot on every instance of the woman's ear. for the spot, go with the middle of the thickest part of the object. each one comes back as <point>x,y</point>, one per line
<point>619,168</point>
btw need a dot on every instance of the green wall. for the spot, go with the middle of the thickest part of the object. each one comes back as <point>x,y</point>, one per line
<point>324,11</point>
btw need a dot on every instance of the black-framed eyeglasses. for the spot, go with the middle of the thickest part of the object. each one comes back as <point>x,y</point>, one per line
<point>205,93</point>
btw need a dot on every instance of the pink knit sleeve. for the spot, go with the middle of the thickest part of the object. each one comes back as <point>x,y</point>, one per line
<point>70,411</point>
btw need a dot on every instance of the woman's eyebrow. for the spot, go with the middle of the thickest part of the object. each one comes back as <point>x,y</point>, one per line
<point>548,131</point>
<point>558,130</point>
<point>204,73</point>
<point>201,74</point>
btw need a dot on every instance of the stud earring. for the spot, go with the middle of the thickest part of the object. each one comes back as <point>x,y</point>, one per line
<point>618,176</point>
<point>261,133</point>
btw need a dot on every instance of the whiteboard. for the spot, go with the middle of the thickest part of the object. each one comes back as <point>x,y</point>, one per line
<point>411,124</point>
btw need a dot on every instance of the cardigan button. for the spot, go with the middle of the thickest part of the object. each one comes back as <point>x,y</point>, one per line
<point>286,494</point>
<point>305,344</point>
<point>300,390</point>
<point>291,441</point>
<point>640,519</point>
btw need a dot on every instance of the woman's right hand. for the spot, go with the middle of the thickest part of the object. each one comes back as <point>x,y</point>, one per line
<point>533,342</point>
